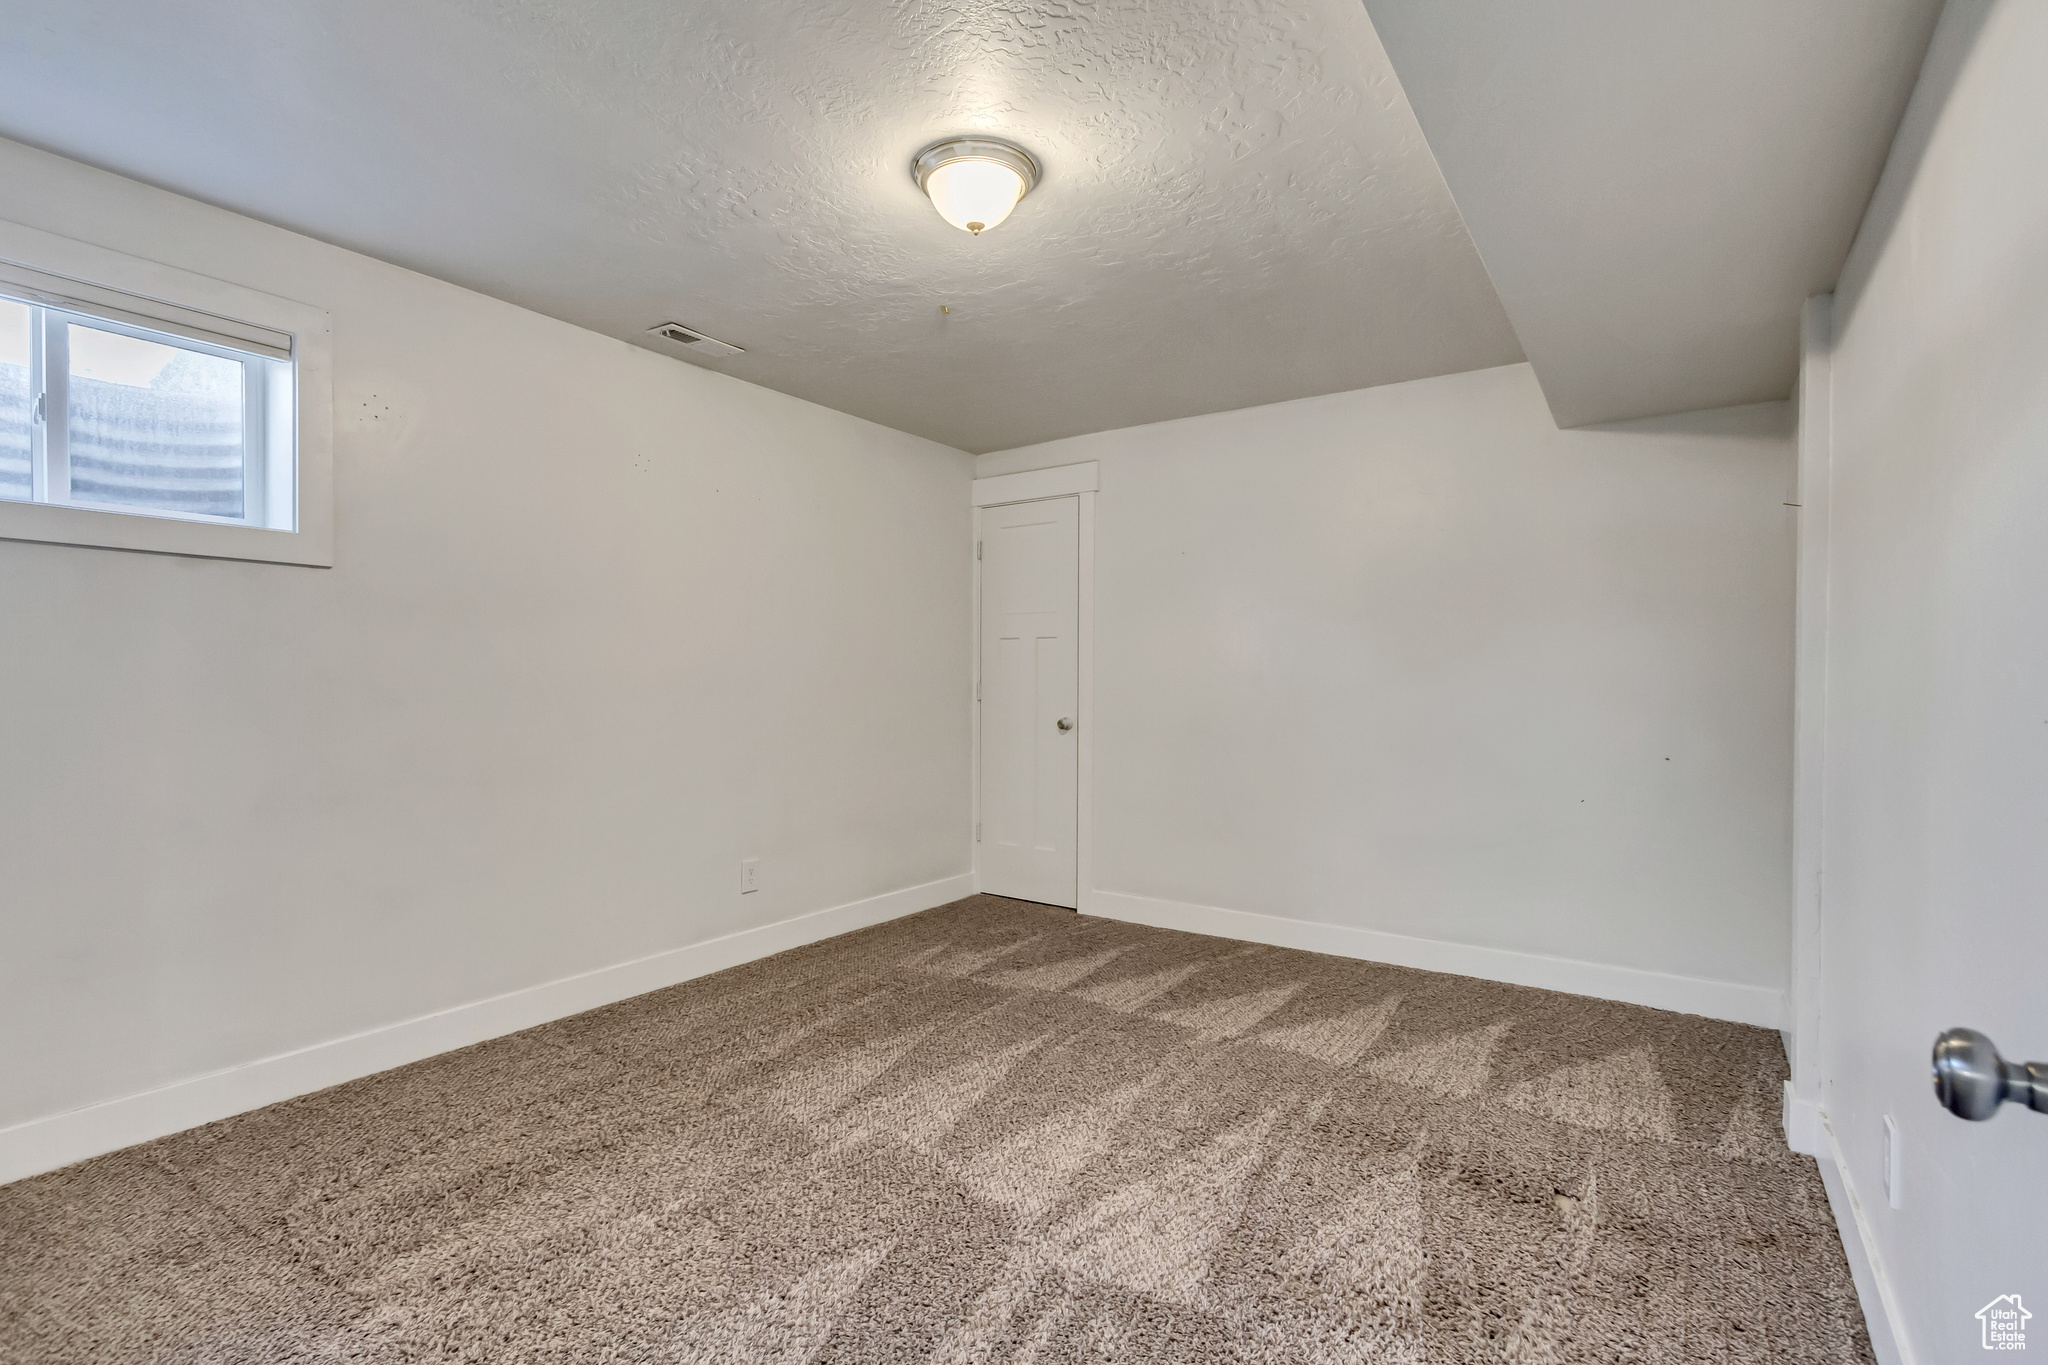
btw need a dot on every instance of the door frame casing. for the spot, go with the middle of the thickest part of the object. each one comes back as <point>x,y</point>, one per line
<point>1804,1022</point>
<point>1078,481</point>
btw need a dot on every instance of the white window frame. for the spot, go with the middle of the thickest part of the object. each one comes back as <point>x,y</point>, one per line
<point>268,499</point>
<point>77,281</point>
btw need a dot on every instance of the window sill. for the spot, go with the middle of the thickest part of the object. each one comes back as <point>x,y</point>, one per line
<point>34,521</point>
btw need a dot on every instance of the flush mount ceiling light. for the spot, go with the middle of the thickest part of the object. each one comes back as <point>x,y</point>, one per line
<point>974,182</point>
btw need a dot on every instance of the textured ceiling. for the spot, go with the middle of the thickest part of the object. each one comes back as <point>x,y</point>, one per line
<point>1657,186</point>
<point>1237,207</point>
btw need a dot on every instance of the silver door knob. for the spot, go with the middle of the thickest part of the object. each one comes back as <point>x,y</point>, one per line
<point>1971,1080</point>
<point>1066,722</point>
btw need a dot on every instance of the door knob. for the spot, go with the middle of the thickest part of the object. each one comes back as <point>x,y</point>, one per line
<point>1971,1080</point>
<point>1066,722</point>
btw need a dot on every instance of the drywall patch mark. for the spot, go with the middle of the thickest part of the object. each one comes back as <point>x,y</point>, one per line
<point>368,413</point>
<point>372,419</point>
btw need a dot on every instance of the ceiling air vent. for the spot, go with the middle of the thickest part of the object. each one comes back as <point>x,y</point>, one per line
<point>695,340</point>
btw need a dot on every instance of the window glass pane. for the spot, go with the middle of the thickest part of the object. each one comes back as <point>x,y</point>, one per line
<point>154,426</point>
<point>17,403</point>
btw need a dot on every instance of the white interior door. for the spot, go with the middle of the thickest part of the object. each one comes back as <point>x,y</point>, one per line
<point>1030,687</point>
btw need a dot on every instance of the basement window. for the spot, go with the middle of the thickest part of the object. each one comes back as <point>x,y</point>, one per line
<point>146,408</point>
<point>103,414</point>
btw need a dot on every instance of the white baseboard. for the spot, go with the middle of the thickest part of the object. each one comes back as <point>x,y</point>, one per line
<point>1873,1289</point>
<point>1801,1121</point>
<point>45,1144</point>
<point>1729,1000</point>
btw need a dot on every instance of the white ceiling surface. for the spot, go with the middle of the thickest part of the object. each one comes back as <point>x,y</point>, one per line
<point>1237,206</point>
<point>1656,186</point>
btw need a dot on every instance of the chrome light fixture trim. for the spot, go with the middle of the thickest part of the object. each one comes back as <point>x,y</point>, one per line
<point>957,149</point>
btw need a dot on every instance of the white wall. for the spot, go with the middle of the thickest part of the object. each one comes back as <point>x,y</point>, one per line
<point>600,624</point>
<point>1413,660</point>
<point>1936,780</point>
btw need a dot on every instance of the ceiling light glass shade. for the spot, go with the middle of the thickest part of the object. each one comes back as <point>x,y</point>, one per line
<point>975,182</point>
<point>975,195</point>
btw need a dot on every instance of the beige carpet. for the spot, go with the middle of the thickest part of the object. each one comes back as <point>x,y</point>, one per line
<point>993,1132</point>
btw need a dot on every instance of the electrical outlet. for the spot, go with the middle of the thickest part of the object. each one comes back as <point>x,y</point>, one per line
<point>750,875</point>
<point>1891,1161</point>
